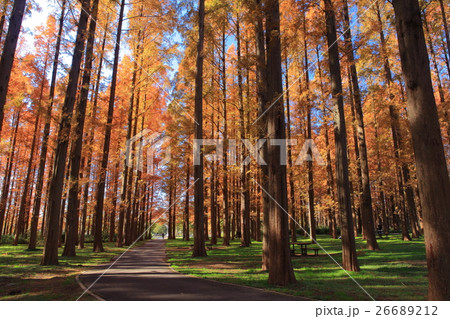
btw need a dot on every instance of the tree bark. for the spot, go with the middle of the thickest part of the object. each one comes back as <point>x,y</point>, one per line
<point>199,234</point>
<point>280,269</point>
<point>186,203</point>
<point>349,259</point>
<point>100,194</point>
<point>226,201</point>
<point>432,172</point>
<point>50,256</point>
<point>45,137</point>
<point>7,180</point>
<point>244,192</point>
<point>366,207</point>
<point>77,143</point>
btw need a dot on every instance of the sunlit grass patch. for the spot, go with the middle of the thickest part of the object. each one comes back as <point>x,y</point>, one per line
<point>396,272</point>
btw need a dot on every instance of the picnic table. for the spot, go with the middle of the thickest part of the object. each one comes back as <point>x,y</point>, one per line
<point>303,248</point>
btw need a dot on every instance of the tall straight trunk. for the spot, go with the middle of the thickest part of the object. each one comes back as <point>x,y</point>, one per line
<point>349,259</point>
<point>76,147</point>
<point>330,178</point>
<point>292,221</point>
<point>199,234</point>
<point>432,172</point>
<point>280,269</point>
<point>124,201</point>
<point>112,223</point>
<point>366,205</point>
<point>7,178</point>
<point>100,195</point>
<point>226,201</point>
<point>357,208</point>
<point>45,137</point>
<point>50,256</point>
<point>171,200</point>
<point>90,141</point>
<point>397,137</point>
<point>261,78</point>
<point>382,199</point>
<point>213,197</point>
<point>186,203</point>
<point>244,192</point>
<point>9,51</point>
<point>25,195</point>
<point>311,203</point>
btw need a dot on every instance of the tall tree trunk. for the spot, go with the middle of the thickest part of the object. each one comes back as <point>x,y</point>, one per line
<point>25,195</point>
<point>397,137</point>
<point>330,179</point>
<point>7,178</point>
<point>366,205</point>
<point>186,203</point>
<point>213,188</point>
<point>292,220</point>
<point>199,234</point>
<point>244,192</point>
<point>261,77</point>
<point>349,259</point>
<point>50,256</point>
<point>226,201</point>
<point>45,137</point>
<point>100,195</point>
<point>9,51</point>
<point>432,172</point>
<point>311,204</point>
<point>77,144</point>
<point>280,269</point>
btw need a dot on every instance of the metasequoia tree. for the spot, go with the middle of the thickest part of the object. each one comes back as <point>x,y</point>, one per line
<point>199,234</point>
<point>366,205</point>
<point>75,152</point>
<point>349,260</point>
<point>50,256</point>
<point>100,194</point>
<point>432,172</point>
<point>280,266</point>
<point>45,136</point>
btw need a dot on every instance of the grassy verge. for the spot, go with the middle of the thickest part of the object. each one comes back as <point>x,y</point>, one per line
<point>396,272</point>
<point>21,277</point>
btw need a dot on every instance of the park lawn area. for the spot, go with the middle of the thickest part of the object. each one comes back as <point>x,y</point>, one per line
<point>397,272</point>
<point>21,277</point>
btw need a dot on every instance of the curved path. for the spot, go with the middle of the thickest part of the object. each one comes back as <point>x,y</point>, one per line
<point>143,274</point>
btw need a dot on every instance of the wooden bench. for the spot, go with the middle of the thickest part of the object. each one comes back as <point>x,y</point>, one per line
<point>316,251</point>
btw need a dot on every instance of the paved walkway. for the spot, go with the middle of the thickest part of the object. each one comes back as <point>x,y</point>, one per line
<point>143,274</point>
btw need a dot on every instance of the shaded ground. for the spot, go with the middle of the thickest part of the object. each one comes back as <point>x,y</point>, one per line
<point>144,274</point>
<point>397,272</point>
<point>21,277</point>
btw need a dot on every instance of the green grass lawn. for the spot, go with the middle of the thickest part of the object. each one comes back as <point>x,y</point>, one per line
<point>396,272</point>
<point>21,277</point>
